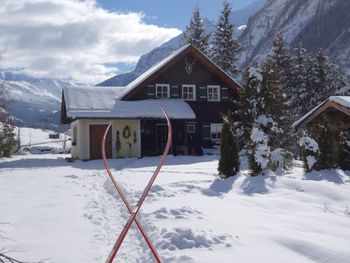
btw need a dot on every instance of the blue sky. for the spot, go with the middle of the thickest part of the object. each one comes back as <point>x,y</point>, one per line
<point>171,13</point>
<point>91,40</point>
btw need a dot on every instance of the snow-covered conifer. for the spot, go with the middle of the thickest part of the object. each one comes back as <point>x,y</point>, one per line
<point>225,45</point>
<point>195,33</point>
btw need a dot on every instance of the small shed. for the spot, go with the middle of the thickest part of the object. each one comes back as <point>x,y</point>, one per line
<point>336,109</point>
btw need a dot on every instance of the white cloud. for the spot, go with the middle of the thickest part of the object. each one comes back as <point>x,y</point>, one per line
<point>73,39</point>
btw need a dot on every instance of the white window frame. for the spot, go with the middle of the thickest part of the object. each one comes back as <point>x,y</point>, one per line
<point>194,92</point>
<point>213,87</point>
<point>162,85</point>
<point>215,128</point>
<point>193,125</point>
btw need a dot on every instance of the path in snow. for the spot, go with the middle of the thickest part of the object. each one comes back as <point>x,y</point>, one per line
<point>69,212</point>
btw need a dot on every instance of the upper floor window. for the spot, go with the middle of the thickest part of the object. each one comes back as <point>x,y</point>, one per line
<point>189,92</point>
<point>213,93</point>
<point>162,91</point>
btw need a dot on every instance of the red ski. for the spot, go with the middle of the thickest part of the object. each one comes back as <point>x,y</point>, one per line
<point>133,217</point>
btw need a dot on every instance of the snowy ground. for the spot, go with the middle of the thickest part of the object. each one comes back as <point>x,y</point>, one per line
<point>37,141</point>
<point>69,212</point>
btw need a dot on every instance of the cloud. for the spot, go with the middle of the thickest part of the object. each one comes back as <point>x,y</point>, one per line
<point>73,39</point>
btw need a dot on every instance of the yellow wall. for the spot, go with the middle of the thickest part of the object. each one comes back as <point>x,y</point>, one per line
<point>82,149</point>
<point>128,146</point>
<point>75,148</point>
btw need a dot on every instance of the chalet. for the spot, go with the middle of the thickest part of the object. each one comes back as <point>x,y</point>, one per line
<point>336,109</point>
<point>191,88</point>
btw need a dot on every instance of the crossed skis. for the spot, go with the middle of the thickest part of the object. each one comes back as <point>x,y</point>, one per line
<point>133,213</point>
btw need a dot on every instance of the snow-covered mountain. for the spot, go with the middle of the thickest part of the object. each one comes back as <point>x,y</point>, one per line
<point>146,61</point>
<point>316,23</point>
<point>34,102</point>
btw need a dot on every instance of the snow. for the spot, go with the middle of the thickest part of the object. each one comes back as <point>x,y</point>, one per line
<point>255,73</point>
<point>37,141</point>
<point>264,120</point>
<point>311,161</point>
<point>342,100</point>
<point>262,151</point>
<point>241,28</point>
<point>309,144</point>
<point>91,97</point>
<point>85,105</point>
<point>69,212</point>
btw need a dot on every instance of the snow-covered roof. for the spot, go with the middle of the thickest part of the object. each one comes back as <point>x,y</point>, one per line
<point>88,97</point>
<point>152,70</point>
<point>341,100</point>
<point>104,102</point>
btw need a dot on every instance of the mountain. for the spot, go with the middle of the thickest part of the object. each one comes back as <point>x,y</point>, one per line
<point>34,102</point>
<point>241,17</point>
<point>146,61</point>
<point>316,23</point>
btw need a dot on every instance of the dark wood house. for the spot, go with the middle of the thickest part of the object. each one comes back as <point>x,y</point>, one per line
<point>190,86</point>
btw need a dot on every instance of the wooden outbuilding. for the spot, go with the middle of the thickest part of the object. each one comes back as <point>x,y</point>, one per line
<point>336,110</point>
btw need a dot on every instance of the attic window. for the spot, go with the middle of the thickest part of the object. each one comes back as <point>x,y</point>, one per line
<point>162,91</point>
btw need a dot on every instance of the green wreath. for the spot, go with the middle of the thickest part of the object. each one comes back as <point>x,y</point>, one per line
<point>126,132</point>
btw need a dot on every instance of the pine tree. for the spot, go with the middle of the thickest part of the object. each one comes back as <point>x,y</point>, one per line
<point>225,45</point>
<point>8,141</point>
<point>195,33</point>
<point>299,94</point>
<point>328,81</point>
<point>280,62</point>
<point>229,149</point>
<point>248,103</point>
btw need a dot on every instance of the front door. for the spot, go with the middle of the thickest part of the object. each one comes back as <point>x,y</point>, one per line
<point>161,138</point>
<point>96,136</point>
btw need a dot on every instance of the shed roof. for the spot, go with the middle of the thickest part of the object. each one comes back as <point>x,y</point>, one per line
<point>341,103</point>
<point>104,102</point>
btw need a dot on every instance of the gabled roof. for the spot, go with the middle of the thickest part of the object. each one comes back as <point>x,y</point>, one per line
<point>104,102</point>
<point>341,103</point>
<point>167,62</point>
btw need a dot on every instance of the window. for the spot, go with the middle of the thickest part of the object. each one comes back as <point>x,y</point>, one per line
<point>191,127</point>
<point>162,91</point>
<point>215,132</point>
<point>213,93</point>
<point>189,92</point>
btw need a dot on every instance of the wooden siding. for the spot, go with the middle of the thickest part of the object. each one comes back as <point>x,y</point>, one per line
<point>327,107</point>
<point>206,111</point>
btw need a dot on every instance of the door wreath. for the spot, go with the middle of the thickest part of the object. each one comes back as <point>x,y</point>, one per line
<point>126,132</point>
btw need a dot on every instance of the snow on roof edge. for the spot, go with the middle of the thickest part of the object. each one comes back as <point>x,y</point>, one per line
<point>150,108</point>
<point>342,100</point>
<point>152,70</point>
<point>163,62</point>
